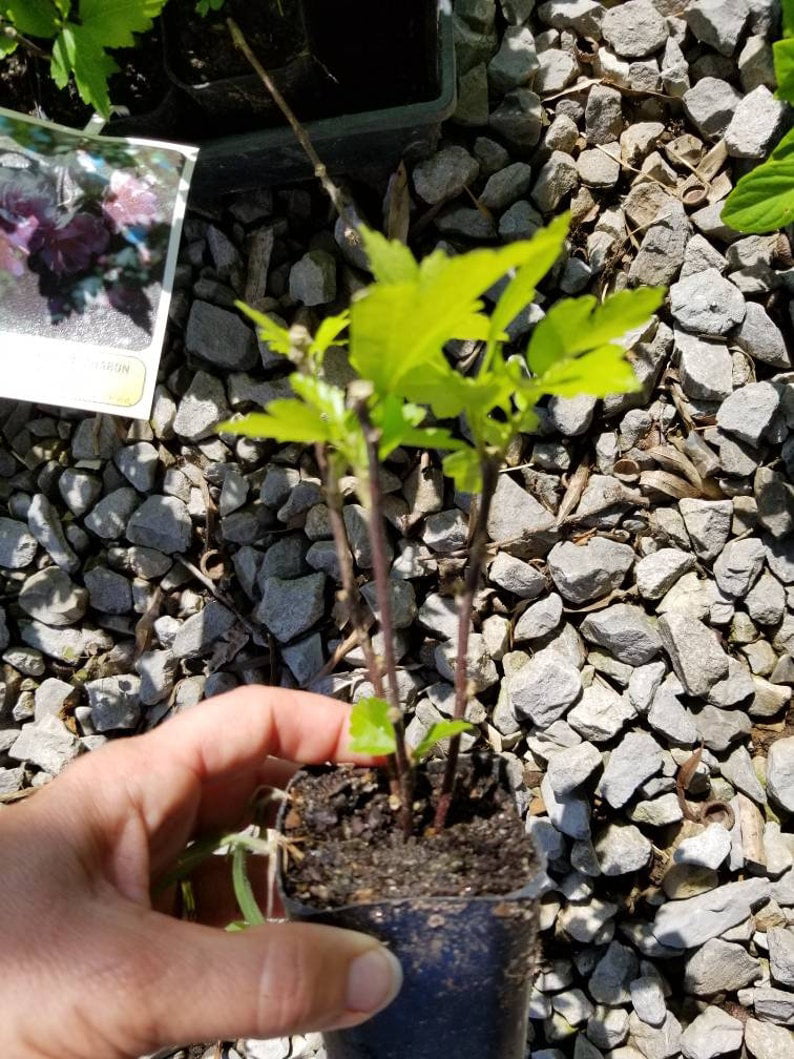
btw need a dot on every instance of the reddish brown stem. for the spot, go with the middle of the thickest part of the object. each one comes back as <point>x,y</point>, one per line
<point>350,588</point>
<point>478,540</point>
<point>380,568</point>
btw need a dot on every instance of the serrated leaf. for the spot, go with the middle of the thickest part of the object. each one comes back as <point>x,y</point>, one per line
<point>598,373</point>
<point>389,260</point>
<point>398,330</point>
<point>274,334</point>
<point>519,292</point>
<point>287,420</point>
<point>575,325</point>
<point>329,331</point>
<point>76,52</point>
<point>36,18</point>
<point>783,51</point>
<point>440,730</point>
<point>463,467</point>
<point>371,731</point>
<point>763,199</point>
<point>113,22</point>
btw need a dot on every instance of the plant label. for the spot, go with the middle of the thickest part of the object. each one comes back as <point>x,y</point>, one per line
<point>89,234</point>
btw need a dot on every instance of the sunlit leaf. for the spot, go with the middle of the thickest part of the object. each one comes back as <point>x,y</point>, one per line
<point>286,420</point>
<point>597,373</point>
<point>35,18</point>
<point>440,730</point>
<point>389,260</point>
<point>329,331</point>
<point>276,336</point>
<point>548,244</point>
<point>371,731</point>
<point>463,467</point>
<point>763,199</point>
<point>575,325</point>
<point>783,51</point>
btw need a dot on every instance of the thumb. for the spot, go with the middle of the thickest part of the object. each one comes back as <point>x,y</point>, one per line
<point>268,981</point>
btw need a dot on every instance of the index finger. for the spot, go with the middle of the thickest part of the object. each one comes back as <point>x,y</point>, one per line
<point>198,770</point>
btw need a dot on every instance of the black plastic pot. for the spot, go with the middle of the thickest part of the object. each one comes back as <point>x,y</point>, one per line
<point>351,139</point>
<point>469,965</point>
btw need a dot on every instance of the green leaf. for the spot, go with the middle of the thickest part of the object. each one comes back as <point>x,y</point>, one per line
<point>598,373</point>
<point>389,260</point>
<point>77,52</point>
<point>243,891</point>
<point>398,330</point>
<point>784,68</point>
<point>276,336</point>
<point>36,18</point>
<point>788,17</point>
<point>329,331</point>
<point>112,23</point>
<point>7,44</point>
<point>464,469</point>
<point>763,200</point>
<point>575,325</point>
<point>286,419</point>
<point>371,731</point>
<point>519,292</point>
<point>440,730</point>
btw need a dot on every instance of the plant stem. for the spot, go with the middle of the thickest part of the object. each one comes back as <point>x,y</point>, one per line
<point>7,30</point>
<point>377,540</point>
<point>478,542</point>
<point>352,595</point>
<point>350,588</point>
<point>332,191</point>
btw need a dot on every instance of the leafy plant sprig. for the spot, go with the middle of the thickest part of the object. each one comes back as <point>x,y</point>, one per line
<point>763,199</point>
<point>80,33</point>
<point>398,329</point>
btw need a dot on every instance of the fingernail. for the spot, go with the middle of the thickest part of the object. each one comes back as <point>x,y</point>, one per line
<point>373,981</point>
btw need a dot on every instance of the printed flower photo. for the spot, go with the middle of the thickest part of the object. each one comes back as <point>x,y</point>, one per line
<point>85,227</point>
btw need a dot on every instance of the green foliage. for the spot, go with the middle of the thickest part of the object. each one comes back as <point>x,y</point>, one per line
<point>203,7</point>
<point>398,330</point>
<point>763,199</point>
<point>243,891</point>
<point>81,32</point>
<point>371,730</point>
<point>439,731</point>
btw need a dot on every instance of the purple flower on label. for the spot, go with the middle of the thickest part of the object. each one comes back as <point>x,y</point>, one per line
<point>70,246</point>
<point>130,202</point>
<point>25,197</point>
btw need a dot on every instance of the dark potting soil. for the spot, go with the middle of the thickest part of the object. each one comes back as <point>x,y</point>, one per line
<point>140,84</point>
<point>349,850</point>
<point>201,49</point>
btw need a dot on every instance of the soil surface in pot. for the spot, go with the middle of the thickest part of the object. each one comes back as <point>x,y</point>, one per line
<point>350,851</point>
<point>139,84</point>
<point>202,48</point>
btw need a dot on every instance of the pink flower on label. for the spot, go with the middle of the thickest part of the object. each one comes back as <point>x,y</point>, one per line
<point>13,258</point>
<point>130,202</point>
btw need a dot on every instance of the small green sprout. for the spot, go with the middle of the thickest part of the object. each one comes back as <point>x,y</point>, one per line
<point>372,731</point>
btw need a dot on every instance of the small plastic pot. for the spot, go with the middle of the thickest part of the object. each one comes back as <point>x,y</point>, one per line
<point>469,965</point>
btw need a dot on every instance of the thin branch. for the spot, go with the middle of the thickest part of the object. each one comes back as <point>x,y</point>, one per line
<point>351,594</point>
<point>383,590</point>
<point>479,540</point>
<point>333,192</point>
<point>7,30</point>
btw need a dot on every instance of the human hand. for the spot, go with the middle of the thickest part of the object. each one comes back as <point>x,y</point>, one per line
<point>92,970</point>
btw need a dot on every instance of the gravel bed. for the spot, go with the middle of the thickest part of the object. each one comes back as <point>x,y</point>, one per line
<point>638,601</point>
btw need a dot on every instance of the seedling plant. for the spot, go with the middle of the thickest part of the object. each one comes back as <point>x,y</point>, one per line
<point>408,394</point>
